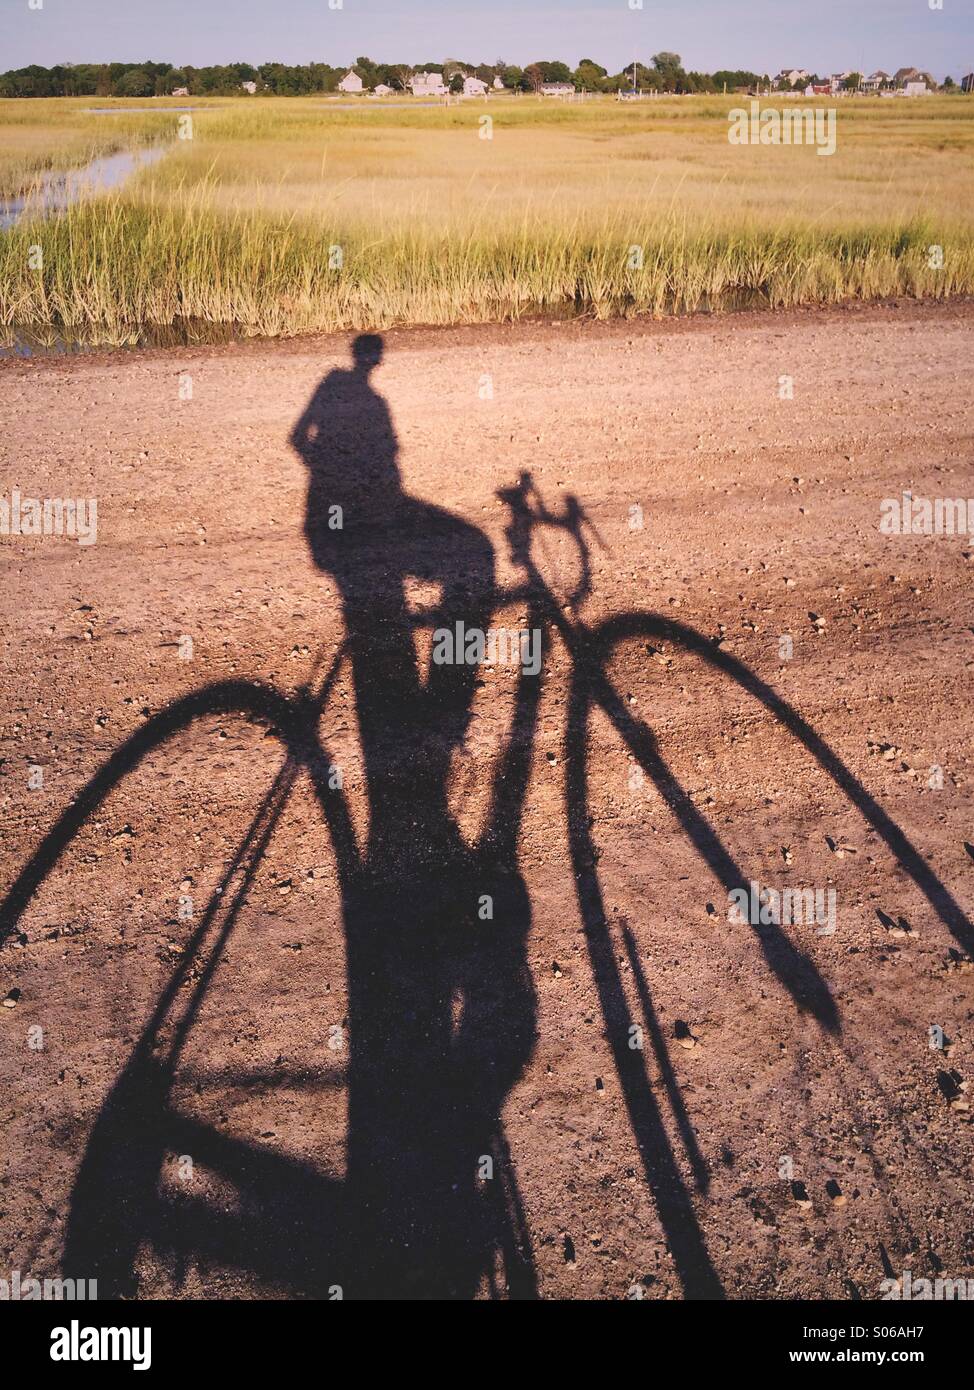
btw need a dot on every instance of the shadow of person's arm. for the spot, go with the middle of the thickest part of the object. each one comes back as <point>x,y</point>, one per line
<point>307,430</point>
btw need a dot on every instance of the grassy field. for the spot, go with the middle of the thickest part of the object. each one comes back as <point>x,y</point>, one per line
<point>284,216</point>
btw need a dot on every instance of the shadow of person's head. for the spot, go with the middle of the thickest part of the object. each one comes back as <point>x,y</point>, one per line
<point>367,352</point>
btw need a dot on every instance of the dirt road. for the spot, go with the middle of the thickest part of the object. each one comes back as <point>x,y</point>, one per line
<point>670,1099</point>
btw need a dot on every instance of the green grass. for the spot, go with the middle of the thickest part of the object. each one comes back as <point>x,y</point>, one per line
<point>236,227</point>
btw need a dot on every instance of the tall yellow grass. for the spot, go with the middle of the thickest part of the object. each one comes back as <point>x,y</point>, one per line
<point>290,216</point>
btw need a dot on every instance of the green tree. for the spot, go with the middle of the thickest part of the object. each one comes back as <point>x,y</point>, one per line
<point>556,72</point>
<point>646,79</point>
<point>135,83</point>
<point>735,80</point>
<point>670,68</point>
<point>589,76</point>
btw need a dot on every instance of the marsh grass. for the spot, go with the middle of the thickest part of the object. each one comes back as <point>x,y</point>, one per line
<point>270,275</point>
<point>238,226</point>
<point>62,136</point>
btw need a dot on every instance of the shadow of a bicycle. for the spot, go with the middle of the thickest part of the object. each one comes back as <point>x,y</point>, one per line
<point>302,1230</point>
<point>442,1006</point>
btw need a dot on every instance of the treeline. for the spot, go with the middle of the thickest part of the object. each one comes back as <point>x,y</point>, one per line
<point>665,74</point>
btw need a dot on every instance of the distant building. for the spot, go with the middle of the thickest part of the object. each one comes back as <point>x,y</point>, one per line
<point>967,83</point>
<point>250,87</point>
<point>907,75</point>
<point>473,87</point>
<point>498,84</point>
<point>875,81</point>
<point>787,77</point>
<point>180,91</point>
<point>916,89</point>
<point>557,89</point>
<point>351,82</point>
<point>382,90</point>
<point>819,89</point>
<point>428,84</point>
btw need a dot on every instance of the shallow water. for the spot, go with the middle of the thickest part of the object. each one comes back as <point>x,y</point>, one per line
<point>58,189</point>
<point>136,110</point>
<point>376,104</point>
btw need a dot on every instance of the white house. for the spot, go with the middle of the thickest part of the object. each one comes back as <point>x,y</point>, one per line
<point>916,89</point>
<point>382,90</point>
<point>473,87</point>
<point>249,87</point>
<point>428,84</point>
<point>180,91</point>
<point>498,84</point>
<point>557,89</point>
<point>787,77</point>
<point>875,81</point>
<point>351,82</point>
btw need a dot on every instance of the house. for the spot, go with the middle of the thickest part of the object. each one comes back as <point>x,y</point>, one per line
<point>787,77</point>
<point>382,90</point>
<point>180,91</point>
<point>906,75</point>
<point>498,84</point>
<point>967,83</point>
<point>351,82</point>
<point>837,81</point>
<point>818,89</point>
<point>557,89</point>
<point>249,87</point>
<point>473,87</point>
<point>428,84</point>
<point>875,81</point>
<point>916,89</point>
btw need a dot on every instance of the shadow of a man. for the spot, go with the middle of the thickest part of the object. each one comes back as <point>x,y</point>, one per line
<point>441,1004</point>
<point>371,535</point>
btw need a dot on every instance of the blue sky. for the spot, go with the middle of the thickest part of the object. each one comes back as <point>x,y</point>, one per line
<point>763,35</point>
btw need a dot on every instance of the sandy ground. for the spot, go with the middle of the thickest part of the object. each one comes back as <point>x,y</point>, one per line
<point>789,1127</point>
